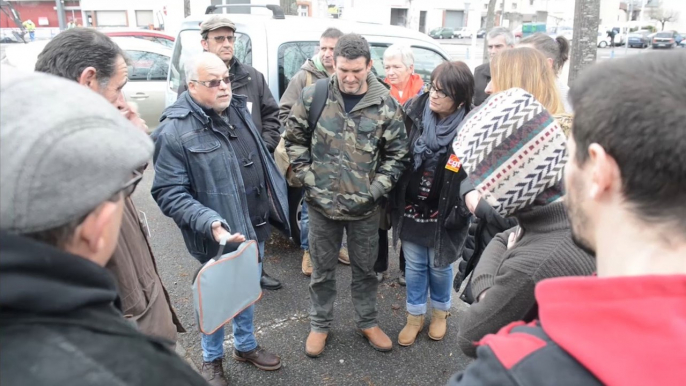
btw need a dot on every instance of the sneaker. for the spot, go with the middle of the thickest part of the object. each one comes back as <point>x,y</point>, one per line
<point>343,256</point>
<point>307,264</point>
<point>401,279</point>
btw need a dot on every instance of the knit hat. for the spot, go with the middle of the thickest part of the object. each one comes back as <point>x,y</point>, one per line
<point>513,151</point>
<point>64,150</point>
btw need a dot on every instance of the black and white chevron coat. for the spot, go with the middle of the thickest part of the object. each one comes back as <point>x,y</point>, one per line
<point>453,215</point>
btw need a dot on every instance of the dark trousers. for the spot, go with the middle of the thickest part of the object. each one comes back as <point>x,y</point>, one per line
<point>381,264</point>
<point>325,238</point>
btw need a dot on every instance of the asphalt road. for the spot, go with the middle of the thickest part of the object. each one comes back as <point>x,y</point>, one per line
<point>282,323</point>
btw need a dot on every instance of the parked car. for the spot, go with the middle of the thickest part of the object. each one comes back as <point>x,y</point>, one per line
<point>480,34</point>
<point>145,34</point>
<point>605,41</point>
<point>148,68</point>
<point>464,32</point>
<point>442,33</point>
<point>666,39</point>
<point>261,43</point>
<point>639,39</point>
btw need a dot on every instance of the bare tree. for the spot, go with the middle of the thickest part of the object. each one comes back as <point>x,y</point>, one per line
<point>663,15</point>
<point>490,22</point>
<point>585,39</point>
<point>289,7</point>
<point>186,8</point>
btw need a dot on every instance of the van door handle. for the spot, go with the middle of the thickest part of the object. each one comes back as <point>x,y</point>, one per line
<point>139,95</point>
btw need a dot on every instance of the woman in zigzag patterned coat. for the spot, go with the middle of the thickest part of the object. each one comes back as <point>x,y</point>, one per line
<point>528,69</point>
<point>514,153</point>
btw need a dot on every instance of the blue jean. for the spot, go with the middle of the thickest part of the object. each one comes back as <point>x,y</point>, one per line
<point>423,278</point>
<point>304,228</point>
<point>32,36</point>
<point>243,332</point>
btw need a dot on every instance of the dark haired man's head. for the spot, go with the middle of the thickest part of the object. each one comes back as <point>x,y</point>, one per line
<point>352,62</point>
<point>327,44</point>
<point>90,58</point>
<point>627,166</point>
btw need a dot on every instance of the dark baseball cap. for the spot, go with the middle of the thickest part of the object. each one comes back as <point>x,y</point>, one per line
<point>216,22</point>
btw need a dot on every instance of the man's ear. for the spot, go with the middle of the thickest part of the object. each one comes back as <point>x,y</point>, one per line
<point>371,63</point>
<point>89,78</point>
<point>204,44</point>
<point>92,234</point>
<point>606,176</point>
<point>411,68</point>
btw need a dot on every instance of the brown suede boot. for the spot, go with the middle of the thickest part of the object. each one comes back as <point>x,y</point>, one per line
<point>415,324</point>
<point>315,344</point>
<point>343,256</point>
<point>307,264</point>
<point>438,324</point>
<point>377,338</point>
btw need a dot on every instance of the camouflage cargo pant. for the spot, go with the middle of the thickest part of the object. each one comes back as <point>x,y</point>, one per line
<point>363,243</point>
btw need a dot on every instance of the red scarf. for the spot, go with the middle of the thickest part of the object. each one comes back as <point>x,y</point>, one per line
<point>414,85</point>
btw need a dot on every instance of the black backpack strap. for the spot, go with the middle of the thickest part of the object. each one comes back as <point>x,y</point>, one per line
<point>321,94</point>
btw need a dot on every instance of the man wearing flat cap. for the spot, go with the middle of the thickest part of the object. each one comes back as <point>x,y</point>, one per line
<point>66,173</point>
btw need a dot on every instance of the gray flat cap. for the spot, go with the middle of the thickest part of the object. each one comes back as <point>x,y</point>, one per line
<point>216,22</point>
<point>64,150</point>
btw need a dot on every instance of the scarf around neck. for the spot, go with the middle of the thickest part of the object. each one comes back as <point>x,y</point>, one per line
<point>413,87</point>
<point>437,134</point>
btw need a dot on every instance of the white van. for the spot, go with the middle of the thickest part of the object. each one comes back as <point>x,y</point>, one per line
<point>277,46</point>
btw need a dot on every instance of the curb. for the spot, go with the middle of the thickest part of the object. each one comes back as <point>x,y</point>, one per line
<point>182,353</point>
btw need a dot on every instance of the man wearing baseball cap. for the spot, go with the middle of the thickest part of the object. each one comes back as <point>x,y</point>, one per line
<point>68,160</point>
<point>219,37</point>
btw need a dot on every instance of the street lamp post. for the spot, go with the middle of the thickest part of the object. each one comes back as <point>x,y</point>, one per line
<point>60,15</point>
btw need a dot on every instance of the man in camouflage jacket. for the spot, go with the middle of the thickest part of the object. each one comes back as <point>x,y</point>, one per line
<point>347,163</point>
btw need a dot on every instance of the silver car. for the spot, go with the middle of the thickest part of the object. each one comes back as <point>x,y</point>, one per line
<point>148,68</point>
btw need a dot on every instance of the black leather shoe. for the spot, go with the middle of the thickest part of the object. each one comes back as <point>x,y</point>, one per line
<point>269,283</point>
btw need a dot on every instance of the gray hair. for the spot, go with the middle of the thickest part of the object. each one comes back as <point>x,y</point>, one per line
<point>400,51</point>
<point>504,32</point>
<point>192,64</point>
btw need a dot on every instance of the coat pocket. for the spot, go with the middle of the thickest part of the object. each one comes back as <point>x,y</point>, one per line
<point>208,165</point>
<point>457,218</point>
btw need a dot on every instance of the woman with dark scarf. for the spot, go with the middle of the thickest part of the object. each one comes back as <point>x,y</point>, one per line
<point>428,214</point>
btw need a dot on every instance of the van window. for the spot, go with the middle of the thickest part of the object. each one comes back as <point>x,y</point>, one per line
<point>145,66</point>
<point>292,55</point>
<point>188,45</point>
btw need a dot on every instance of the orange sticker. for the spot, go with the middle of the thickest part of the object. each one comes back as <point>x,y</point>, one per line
<point>454,164</point>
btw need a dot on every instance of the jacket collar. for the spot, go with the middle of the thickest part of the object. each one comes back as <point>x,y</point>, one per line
<point>41,279</point>
<point>185,105</point>
<point>376,92</point>
<point>310,66</point>
<point>239,72</point>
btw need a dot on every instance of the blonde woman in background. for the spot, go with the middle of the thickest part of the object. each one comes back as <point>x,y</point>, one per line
<point>528,69</point>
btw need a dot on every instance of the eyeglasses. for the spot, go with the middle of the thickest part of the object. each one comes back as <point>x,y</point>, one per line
<point>130,186</point>
<point>437,92</point>
<point>221,39</point>
<point>215,82</point>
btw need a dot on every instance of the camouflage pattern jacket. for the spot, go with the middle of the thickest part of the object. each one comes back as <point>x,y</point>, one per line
<point>349,160</point>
